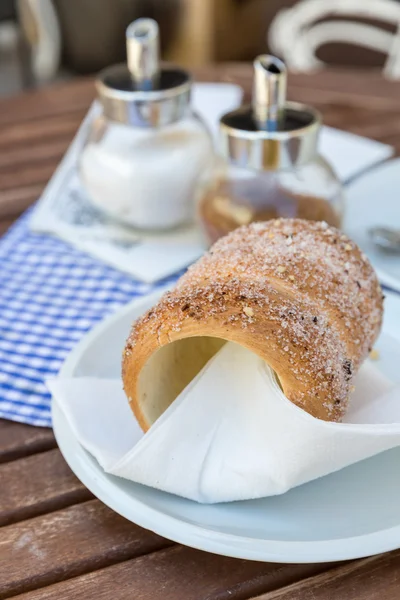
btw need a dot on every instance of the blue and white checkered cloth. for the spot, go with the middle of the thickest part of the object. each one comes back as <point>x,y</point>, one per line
<point>50,296</point>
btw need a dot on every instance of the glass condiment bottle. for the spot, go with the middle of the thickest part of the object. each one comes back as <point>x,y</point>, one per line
<point>269,164</point>
<point>146,150</point>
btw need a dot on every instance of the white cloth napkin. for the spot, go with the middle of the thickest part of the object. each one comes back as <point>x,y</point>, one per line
<point>231,434</point>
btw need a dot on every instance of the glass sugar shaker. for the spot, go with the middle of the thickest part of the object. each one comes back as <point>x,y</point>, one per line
<point>146,150</point>
<point>269,164</point>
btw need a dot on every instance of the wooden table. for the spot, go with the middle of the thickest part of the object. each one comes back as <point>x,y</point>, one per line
<point>57,541</point>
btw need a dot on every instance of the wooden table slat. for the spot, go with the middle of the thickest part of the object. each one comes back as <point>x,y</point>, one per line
<point>38,484</point>
<point>27,175</point>
<point>178,573</point>
<point>17,135</point>
<point>347,86</point>
<point>15,200</point>
<point>5,224</point>
<point>57,99</point>
<point>67,543</point>
<point>367,579</point>
<point>332,85</point>
<point>18,440</point>
<point>12,159</point>
<point>340,97</point>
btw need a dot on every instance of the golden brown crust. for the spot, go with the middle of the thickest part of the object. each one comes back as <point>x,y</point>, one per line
<point>299,294</point>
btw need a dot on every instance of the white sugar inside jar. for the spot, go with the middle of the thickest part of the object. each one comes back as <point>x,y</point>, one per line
<point>146,177</point>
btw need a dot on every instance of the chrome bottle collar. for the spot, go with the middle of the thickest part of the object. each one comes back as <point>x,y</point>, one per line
<point>271,133</point>
<point>144,93</point>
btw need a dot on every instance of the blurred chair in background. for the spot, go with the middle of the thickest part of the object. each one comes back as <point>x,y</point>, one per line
<point>66,37</point>
<point>11,79</point>
<point>83,36</point>
<point>193,32</point>
<point>297,33</point>
<point>41,30</point>
<point>93,31</point>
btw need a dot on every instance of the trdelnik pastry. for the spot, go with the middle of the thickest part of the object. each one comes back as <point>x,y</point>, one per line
<point>299,294</point>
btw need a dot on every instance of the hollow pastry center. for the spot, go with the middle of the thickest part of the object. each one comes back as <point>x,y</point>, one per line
<point>170,369</point>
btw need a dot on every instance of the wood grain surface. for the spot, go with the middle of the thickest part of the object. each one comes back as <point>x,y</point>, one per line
<point>66,543</point>
<point>369,579</point>
<point>18,440</point>
<point>56,541</point>
<point>37,484</point>
<point>179,572</point>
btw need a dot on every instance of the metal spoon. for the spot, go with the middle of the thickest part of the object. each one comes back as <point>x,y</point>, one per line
<point>385,238</point>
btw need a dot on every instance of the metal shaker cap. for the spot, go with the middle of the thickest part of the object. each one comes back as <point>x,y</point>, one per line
<point>271,133</point>
<point>144,93</point>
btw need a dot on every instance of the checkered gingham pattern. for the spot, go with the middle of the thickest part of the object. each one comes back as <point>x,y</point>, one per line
<point>50,296</point>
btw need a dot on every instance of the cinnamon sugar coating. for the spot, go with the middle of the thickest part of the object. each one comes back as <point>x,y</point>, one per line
<point>298,293</point>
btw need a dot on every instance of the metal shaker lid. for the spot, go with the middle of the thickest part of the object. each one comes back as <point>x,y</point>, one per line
<point>144,93</point>
<point>271,133</point>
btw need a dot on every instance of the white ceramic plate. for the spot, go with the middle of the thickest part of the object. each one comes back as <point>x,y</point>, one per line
<point>374,199</point>
<point>350,514</point>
